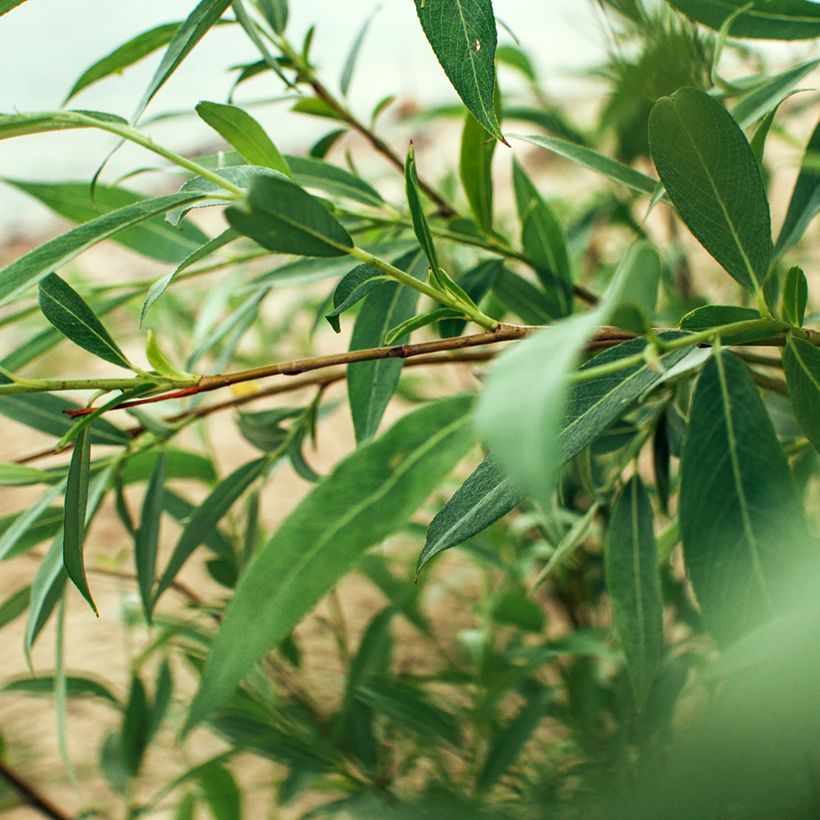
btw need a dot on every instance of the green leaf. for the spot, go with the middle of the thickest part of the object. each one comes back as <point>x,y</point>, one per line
<point>74,522</point>
<point>420,226</point>
<point>801,363</point>
<point>124,56</point>
<point>220,791</point>
<point>634,586</point>
<point>368,496</point>
<point>476,171</point>
<point>409,709</point>
<point>742,527</point>
<point>244,133</point>
<point>178,464</point>
<point>19,475</point>
<point>69,313</point>
<point>38,263</point>
<point>805,201</point>
<point>13,607</point>
<point>190,32</point>
<point>370,385</point>
<point>353,55</point>
<point>795,297</point>
<point>712,177</point>
<point>463,36</point>
<point>7,5</point>
<point>310,172</point>
<point>205,517</point>
<point>76,687</point>
<point>709,316</point>
<point>282,217</point>
<point>476,283</point>
<point>264,431</point>
<point>525,300</point>
<point>766,97</point>
<point>419,321</point>
<point>543,240</point>
<point>276,13</point>
<point>146,541</point>
<point>18,125</point>
<point>355,286</point>
<point>203,252</point>
<point>481,500</point>
<point>159,361</point>
<point>153,238</point>
<point>506,746</point>
<point>46,590</point>
<point>766,20</point>
<point>593,405</point>
<point>610,168</point>
<point>134,732</point>
<point>35,518</point>
<point>46,412</point>
<point>537,372</point>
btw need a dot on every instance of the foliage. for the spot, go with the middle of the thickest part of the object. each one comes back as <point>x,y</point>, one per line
<point>630,485</point>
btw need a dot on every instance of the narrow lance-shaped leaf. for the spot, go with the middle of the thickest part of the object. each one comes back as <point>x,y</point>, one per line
<point>634,587</point>
<point>475,169</point>
<point>189,33</point>
<point>369,495</point>
<point>610,168</point>
<point>69,313</point>
<point>712,177</point>
<point>464,38</point>
<point>76,503</point>
<point>353,55</point>
<point>7,5</point>
<point>523,435</point>
<point>27,520</point>
<point>354,287</point>
<point>765,20</point>
<point>35,265</point>
<point>311,172</point>
<point>244,133</point>
<point>161,285</point>
<point>805,201</point>
<point>46,412</point>
<point>76,201</point>
<point>487,494</point>
<point>795,296</point>
<point>208,515</point>
<point>282,217</point>
<point>801,363</point>
<point>18,125</point>
<point>768,95</point>
<point>125,55</point>
<point>370,385</point>
<point>276,13</point>
<point>743,529</point>
<point>146,541</point>
<point>543,239</point>
<point>420,226</point>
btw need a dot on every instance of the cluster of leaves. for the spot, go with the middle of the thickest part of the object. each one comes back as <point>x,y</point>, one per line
<point>639,520</point>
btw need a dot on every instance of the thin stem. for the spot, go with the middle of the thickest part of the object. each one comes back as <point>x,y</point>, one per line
<point>31,796</point>
<point>59,385</point>
<point>137,137</point>
<point>472,313</point>
<point>306,73</point>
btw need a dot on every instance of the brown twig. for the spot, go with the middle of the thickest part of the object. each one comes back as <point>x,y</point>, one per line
<point>445,209</point>
<point>503,333</point>
<point>31,796</point>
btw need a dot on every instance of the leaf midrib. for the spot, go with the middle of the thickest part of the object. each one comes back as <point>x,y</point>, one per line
<point>746,261</point>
